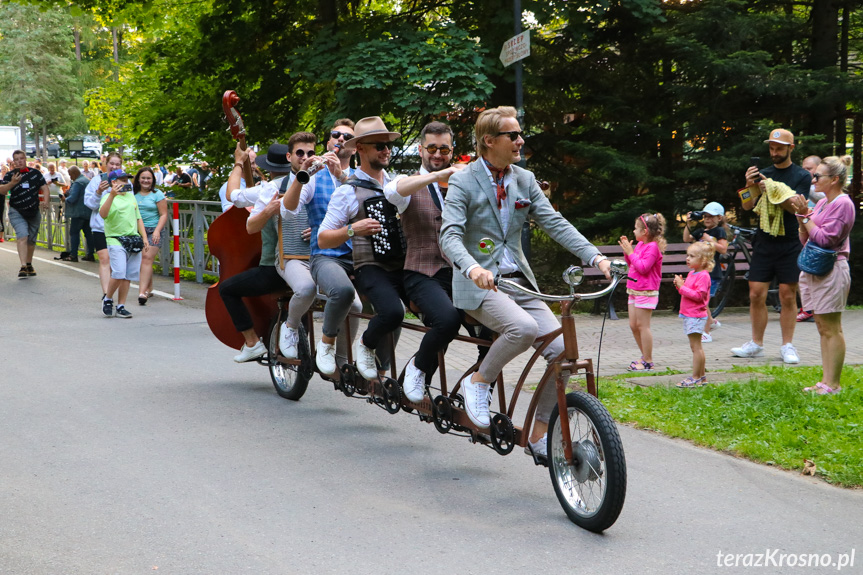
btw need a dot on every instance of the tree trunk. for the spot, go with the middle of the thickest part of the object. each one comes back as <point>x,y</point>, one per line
<point>842,106</point>
<point>22,126</point>
<point>824,53</point>
<point>115,37</point>
<point>44,142</point>
<point>76,33</point>
<point>327,12</point>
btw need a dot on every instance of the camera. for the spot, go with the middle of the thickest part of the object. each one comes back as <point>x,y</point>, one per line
<point>126,188</point>
<point>697,216</point>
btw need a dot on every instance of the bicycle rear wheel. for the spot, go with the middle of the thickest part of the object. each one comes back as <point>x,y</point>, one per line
<point>723,292</point>
<point>289,380</point>
<point>591,490</point>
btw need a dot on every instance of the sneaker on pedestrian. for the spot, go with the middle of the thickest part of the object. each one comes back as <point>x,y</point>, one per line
<point>805,316</point>
<point>250,353</point>
<point>108,307</point>
<point>30,271</point>
<point>288,339</point>
<point>716,324</point>
<point>789,354</point>
<point>366,362</point>
<point>22,273</point>
<point>706,338</point>
<point>476,401</point>
<point>538,448</point>
<point>748,349</point>
<point>325,357</point>
<point>88,258</point>
<point>414,383</point>
<point>123,312</point>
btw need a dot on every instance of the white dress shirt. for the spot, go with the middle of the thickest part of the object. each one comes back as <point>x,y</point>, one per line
<point>344,205</point>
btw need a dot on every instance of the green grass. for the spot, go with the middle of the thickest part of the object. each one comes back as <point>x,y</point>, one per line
<point>769,422</point>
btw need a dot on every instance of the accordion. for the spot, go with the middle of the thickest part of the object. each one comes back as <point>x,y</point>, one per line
<point>389,244</point>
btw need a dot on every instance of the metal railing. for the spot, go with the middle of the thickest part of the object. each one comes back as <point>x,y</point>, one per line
<point>195,219</point>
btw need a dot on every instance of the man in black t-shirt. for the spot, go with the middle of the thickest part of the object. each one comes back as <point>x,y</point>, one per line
<point>775,256</point>
<point>27,189</point>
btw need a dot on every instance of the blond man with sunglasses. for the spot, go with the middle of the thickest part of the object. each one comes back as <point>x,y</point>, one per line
<point>491,199</point>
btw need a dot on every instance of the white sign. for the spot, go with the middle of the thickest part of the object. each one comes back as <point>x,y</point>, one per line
<point>515,49</point>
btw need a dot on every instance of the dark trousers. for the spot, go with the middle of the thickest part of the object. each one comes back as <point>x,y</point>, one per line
<point>386,292</point>
<point>433,296</point>
<point>254,282</point>
<point>76,226</point>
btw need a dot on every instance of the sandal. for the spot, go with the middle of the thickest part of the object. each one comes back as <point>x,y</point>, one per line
<point>692,382</point>
<point>641,365</point>
<point>822,389</point>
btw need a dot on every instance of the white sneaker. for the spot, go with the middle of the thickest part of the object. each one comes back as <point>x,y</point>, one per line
<point>366,362</point>
<point>716,324</point>
<point>539,448</point>
<point>414,384</point>
<point>789,354</point>
<point>250,353</point>
<point>476,402</point>
<point>288,339</point>
<point>748,349</point>
<point>706,338</point>
<point>325,357</point>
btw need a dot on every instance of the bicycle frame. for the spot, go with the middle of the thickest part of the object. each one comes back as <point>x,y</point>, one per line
<point>567,361</point>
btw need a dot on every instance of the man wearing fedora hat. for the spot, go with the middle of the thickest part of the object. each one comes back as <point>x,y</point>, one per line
<point>775,256</point>
<point>265,278</point>
<point>330,266</point>
<point>346,219</point>
<point>491,199</point>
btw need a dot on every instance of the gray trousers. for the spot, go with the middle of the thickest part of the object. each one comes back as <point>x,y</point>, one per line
<point>519,319</point>
<point>297,275</point>
<point>331,275</point>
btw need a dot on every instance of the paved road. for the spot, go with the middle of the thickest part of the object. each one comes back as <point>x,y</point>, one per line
<point>128,446</point>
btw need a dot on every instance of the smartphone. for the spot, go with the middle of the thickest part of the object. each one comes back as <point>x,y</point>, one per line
<point>754,161</point>
<point>126,188</point>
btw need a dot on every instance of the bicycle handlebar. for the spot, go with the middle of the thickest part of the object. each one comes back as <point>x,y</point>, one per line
<point>746,231</point>
<point>619,270</point>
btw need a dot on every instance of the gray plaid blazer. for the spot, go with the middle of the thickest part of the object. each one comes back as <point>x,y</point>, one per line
<point>471,213</point>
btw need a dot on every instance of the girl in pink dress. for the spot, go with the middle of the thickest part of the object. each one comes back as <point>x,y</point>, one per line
<point>645,269</point>
<point>694,298</point>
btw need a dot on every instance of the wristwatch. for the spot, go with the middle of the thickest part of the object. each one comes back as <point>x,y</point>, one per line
<point>804,221</point>
<point>350,231</point>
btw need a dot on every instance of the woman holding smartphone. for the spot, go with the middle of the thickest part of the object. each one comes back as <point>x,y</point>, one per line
<point>154,212</point>
<point>126,238</point>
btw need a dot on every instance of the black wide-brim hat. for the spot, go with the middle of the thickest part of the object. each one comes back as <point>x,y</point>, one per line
<point>276,159</point>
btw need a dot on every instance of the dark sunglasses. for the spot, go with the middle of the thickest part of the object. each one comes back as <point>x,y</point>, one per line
<point>817,177</point>
<point>444,150</point>
<point>302,153</point>
<point>379,146</point>
<point>513,135</point>
<point>335,135</point>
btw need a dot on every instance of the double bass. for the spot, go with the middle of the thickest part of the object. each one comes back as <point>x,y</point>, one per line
<point>237,251</point>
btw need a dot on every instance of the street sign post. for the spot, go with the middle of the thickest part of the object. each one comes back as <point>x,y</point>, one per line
<point>516,48</point>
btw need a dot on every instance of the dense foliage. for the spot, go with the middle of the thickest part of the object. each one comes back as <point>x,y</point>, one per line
<point>630,105</point>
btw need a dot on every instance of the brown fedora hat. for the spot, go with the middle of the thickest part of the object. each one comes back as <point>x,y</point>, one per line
<point>368,127</point>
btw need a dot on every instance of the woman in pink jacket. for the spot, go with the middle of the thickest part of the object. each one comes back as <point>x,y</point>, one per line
<point>645,269</point>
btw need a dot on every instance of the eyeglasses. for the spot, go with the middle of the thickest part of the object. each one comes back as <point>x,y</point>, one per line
<point>817,177</point>
<point>335,135</point>
<point>302,153</point>
<point>433,149</point>
<point>513,135</point>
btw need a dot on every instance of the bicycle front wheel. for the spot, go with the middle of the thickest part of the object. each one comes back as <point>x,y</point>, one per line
<point>723,292</point>
<point>592,489</point>
<point>289,380</point>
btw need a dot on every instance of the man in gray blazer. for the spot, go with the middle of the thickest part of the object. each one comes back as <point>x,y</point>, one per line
<point>491,199</point>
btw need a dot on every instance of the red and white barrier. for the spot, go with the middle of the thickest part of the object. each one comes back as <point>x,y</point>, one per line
<point>176,226</point>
